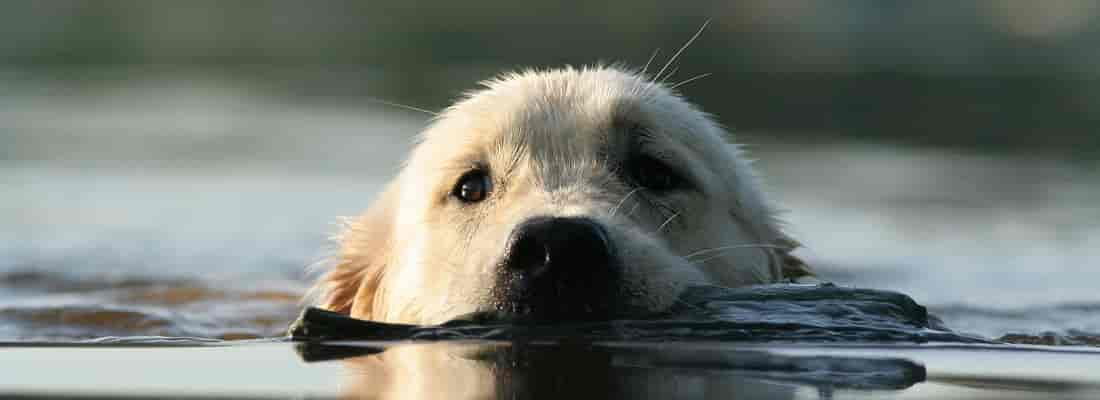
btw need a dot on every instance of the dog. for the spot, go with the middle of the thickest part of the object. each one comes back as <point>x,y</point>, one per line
<point>558,195</point>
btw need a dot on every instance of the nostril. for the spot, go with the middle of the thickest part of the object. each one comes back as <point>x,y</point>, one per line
<point>585,241</point>
<point>528,253</point>
<point>579,242</point>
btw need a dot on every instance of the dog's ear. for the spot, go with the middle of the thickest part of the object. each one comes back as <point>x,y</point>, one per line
<point>365,250</point>
<point>793,268</point>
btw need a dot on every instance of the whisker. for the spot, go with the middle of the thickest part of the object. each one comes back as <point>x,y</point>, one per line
<point>689,80</point>
<point>403,106</point>
<point>704,260</point>
<point>697,308</point>
<point>650,61</point>
<point>757,273</point>
<point>672,72</point>
<point>615,209</point>
<point>701,284</point>
<point>663,224</point>
<point>760,275</point>
<point>724,248</point>
<point>682,48</point>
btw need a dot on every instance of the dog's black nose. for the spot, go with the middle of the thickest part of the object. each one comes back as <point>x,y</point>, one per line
<point>544,244</point>
<point>560,268</point>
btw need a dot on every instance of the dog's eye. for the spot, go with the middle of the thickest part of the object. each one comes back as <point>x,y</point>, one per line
<point>473,187</point>
<point>654,174</point>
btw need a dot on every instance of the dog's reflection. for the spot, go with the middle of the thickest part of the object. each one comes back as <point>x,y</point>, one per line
<point>521,371</point>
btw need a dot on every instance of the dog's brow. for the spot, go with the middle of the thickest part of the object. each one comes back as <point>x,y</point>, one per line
<point>514,150</point>
<point>459,165</point>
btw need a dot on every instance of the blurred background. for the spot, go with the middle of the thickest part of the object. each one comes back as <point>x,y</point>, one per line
<point>171,168</point>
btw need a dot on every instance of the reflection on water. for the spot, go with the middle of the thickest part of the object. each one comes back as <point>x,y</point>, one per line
<point>521,370</point>
<point>525,370</point>
<point>191,208</point>
<point>531,369</point>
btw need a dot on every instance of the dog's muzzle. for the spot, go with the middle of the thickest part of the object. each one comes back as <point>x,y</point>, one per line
<point>559,268</point>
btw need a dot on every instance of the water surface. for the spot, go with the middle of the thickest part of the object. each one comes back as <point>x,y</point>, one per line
<point>193,207</point>
<point>494,370</point>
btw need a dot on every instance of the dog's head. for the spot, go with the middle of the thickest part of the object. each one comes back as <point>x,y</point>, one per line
<point>562,194</point>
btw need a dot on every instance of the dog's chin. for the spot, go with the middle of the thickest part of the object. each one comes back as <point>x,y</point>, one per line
<point>563,293</point>
<point>631,298</point>
<point>553,303</point>
<point>529,309</point>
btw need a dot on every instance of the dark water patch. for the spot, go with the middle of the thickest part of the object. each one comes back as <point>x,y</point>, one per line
<point>1071,338</point>
<point>69,322</point>
<point>776,313</point>
<point>821,371</point>
<point>92,317</point>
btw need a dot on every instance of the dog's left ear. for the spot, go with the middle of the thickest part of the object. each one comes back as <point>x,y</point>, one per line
<point>793,268</point>
<point>351,287</point>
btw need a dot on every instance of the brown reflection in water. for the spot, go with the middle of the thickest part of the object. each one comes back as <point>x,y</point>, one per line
<point>53,306</point>
<point>563,371</point>
<point>88,317</point>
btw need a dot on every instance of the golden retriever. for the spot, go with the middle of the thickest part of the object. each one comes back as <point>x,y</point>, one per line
<point>565,194</point>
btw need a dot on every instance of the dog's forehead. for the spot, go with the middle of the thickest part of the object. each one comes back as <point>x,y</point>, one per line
<point>575,108</point>
<point>559,107</point>
<point>561,117</point>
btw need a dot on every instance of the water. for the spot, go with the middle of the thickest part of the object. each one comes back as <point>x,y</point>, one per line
<point>191,208</point>
<point>699,370</point>
<point>992,245</point>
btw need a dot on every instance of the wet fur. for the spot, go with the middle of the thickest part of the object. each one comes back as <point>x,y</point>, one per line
<point>551,140</point>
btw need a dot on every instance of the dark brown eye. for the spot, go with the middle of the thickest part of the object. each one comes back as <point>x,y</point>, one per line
<point>473,187</point>
<point>653,174</point>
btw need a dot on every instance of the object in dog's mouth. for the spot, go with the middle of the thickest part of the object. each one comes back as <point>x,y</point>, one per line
<point>560,195</point>
<point>763,313</point>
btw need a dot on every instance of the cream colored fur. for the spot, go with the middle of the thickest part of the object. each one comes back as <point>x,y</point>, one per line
<point>551,140</point>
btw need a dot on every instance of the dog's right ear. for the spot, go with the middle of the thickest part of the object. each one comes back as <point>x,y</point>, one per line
<point>365,243</point>
<point>794,269</point>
